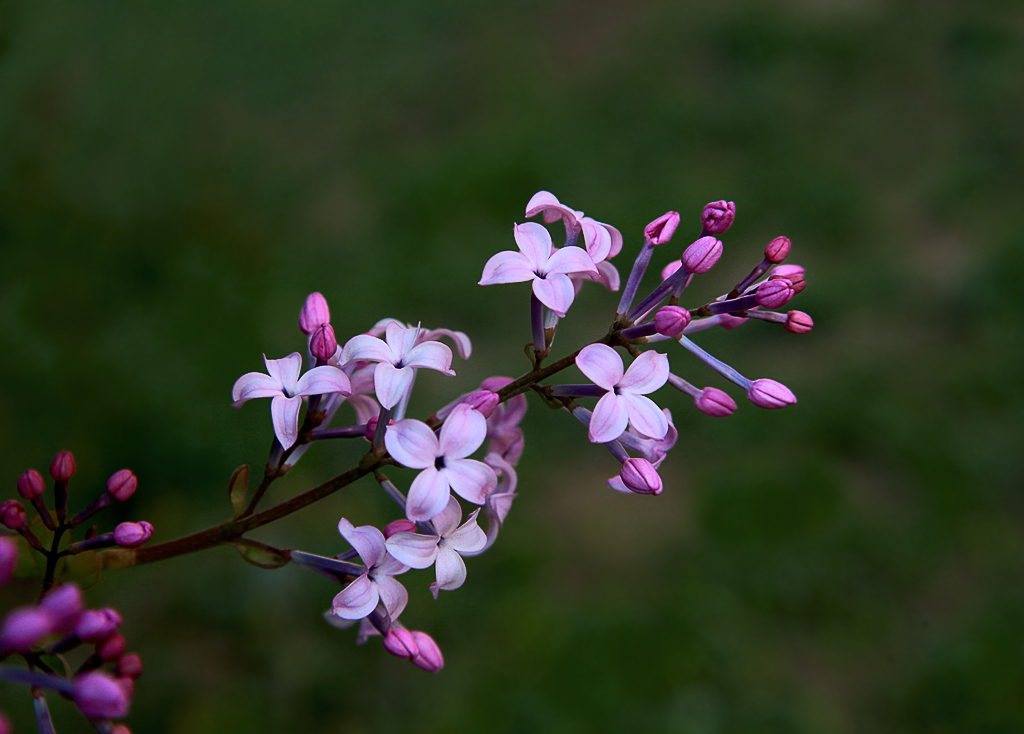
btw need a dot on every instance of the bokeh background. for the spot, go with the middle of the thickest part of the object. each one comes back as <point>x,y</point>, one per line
<point>176,177</point>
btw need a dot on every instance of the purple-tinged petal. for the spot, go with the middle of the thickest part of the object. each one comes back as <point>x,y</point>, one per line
<point>411,443</point>
<point>356,600</point>
<point>555,291</point>
<point>284,412</point>
<point>461,341</point>
<point>469,538</point>
<point>401,338</point>
<point>431,355</point>
<point>570,260</point>
<point>364,346</point>
<point>601,364</point>
<point>609,419</point>
<point>450,569</point>
<point>392,383</point>
<point>254,385</point>
<point>645,416</point>
<point>285,370</point>
<point>449,518</point>
<point>648,373</point>
<point>608,276</point>
<point>535,244</point>
<point>471,479</point>
<point>545,202</point>
<point>323,381</point>
<point>428,495</point>
<point>388,566</point>
<point>413,549</point>
<point>507,267</point>
<point>367,540</point>
<point>463,432</point>
<point>597,239</point>
<point>393,594</point>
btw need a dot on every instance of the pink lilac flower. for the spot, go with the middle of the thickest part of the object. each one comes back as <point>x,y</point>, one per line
<point>443,549</point>
<point>539,261</point>
<point>286,389</point>
<point>461,341</point>
<point>624,403</point>
<point>377,583</point>
<point>398,356</point>
<point>442,461</point>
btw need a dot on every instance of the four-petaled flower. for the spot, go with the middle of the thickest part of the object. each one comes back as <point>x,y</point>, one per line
<point>377,583</point>
<point>443,549</point>
<point>442,460</point>
<point>538,260</point>
<point>283,384</point>
<point>624,403</point>
<point>398,356</point>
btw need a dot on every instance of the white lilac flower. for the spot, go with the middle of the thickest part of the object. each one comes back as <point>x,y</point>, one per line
<point>377,583</point>
<point>625,402</point>
<point>442,550</point>
<point>286,389</point>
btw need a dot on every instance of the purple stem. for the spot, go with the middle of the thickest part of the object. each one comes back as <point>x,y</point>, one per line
<point>716,364</point>
<point>635,276</point>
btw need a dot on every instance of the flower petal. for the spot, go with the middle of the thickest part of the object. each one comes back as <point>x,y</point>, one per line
<point>609,420</point>
<point>555,291</point>
<point>401,338</point>
<point>393,594</point>
<point>413,549</point>
<point>285,370</point>
<point>463,432</point>
<point>323,380</point>
<point>356,600</point>
<point>392,383</point>
<point>449,518</point>
<point>428,495</point>
<point>431,355</point>
<point>254,385</point>
<point>601,364</point>
<point>471,479</point>
<point>571,260</point>
<point>648,373</point>
<point>645,416</point>
<point>450,569</point>
<point>507,267</point>
<point>467,539</point>
<point>411,443</point>
<point>534,242</point>
<point>284,412</point>
<point>367,540</point>
<point>461,341</point>
<point>364,346</point>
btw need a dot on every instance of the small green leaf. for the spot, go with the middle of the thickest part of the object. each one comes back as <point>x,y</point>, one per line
<point>260,555</point>
<point>238,488</point>
<point>116,557</point>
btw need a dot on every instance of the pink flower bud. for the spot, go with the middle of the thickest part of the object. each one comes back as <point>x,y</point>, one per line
<point>777,250</point>
<point>775,292</point>
<point>63,466</point>
<point>111,648</point>
<point>314,313</point>
<point>23,628</point>
<point>765,393</point>
<point>399,526</point>
<point>63,604</point>
<point>401,643</point>
<point>484,401</point>
<point>130,666</point>
<point>795,273</point>
<point>12,514</point>
<point>495,383</point>
<point>98,696</point>
<point>671,268</point>
<point>640,476</point>
<point>728,321</point>
<point>120,729</point>
<point>671,320</point>
<point>30,485</point>
<point>718,216</point>
<point>97,624</point>
<point>702,255</point>
<point>132,534</point>
<point>8,559</point>
<point>5,724</point>
<point>798,322</point>
<point>714,402</point>
<point>429,656</point>
<point>323,343</point>
<point>122,484</point>
<point>661,229</point>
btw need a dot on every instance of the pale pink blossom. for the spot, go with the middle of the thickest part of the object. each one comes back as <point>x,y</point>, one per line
<point>377,583</point>
<point>625,402</point>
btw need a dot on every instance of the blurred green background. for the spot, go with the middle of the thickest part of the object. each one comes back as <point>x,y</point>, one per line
<point>176,177</point>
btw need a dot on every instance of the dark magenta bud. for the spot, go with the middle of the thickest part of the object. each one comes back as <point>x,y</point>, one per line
<point>798,322</point>
<point>702,255</point>
<point>112,648</point>
<point>795,273</point>
<point>94,625</point>
<point>671,320</point>
<point>399,526</point>
<point>314,313</point>
<point>23,628</point>
<point>714,402</point>
<point>765,393</point>
<point>777,250</point>
<point>130,666</point>
<point>775,292</point>
<point>484,401</point>
<point>429,656</point>
<point>718,216</point>
<point>8,559</point>
<point>122,484</point>
<point>661,229</point>
<point>64,605</point>
<point>640,476</point>
<point>323,343</point>
<point>401,643</point>
<point>98,696</point>
<point>132,534</point>
<point>12,515</point>
<point>63,466</point>
<point>31,485</point>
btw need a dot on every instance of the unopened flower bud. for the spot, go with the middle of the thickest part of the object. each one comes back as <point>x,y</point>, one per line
<point>130,666</point>
<point>314,313</point>
<point>718,216</point>
<point>98,696</point>
<point>12,514</point>
<point>795,273</point>
<point>132,534</point>
<point>23,628</point>
<point>484,401</point>
<point>777,250</point>
<point>111,648</point>
<point>429,656</point>
<point>798,322</point>
<point>702,255</point>
<point>399,526</point>
<point>63,466</point>
<point>8,559</point>
<point>640,476</point>
<point>661,229</point>
<point>94,625</point>
<point>765,393</point>
<point>5,724</point>
<point>122,484</point>
<point>775,292</point>
<point>64,604</point>
<point>323,343</point>
<point>671,268</point>
<point>728,321</point>
<point>120,729</point>
<point>401,643</point>
<point>671,320</point>
<point>714,402</point>
<point>31,485</point>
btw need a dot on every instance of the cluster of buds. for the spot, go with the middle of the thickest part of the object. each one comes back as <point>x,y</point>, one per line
<point>102,686</point>
<point>59,622</point>
<point>374,373</point>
